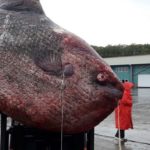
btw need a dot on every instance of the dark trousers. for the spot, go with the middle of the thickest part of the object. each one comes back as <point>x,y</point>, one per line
<point>122,134</point>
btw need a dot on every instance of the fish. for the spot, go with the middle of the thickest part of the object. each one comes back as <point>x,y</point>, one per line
<point>50,78</point>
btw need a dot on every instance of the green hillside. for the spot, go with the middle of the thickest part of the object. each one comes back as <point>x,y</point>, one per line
<point>123,50</point>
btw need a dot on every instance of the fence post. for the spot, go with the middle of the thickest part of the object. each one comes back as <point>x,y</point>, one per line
<point>3,132</point>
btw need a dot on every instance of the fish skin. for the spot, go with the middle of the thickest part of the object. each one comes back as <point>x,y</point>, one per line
<point>35,56</point>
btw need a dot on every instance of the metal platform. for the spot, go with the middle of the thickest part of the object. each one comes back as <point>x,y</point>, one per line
<point>19,137</point>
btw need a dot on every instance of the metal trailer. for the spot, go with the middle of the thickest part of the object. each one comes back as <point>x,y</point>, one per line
<point>20,137</point>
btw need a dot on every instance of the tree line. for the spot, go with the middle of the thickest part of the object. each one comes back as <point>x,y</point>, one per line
<point>123,50</point>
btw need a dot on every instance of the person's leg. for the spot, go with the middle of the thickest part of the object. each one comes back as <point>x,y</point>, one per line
<point>122,134</point>
<point>117,134</point>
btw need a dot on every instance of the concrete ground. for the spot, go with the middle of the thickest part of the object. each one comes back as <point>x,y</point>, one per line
<point>104,143</point>
<point>139,137</point>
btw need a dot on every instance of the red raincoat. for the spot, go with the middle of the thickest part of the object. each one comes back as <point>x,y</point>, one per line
<point>124,121</point>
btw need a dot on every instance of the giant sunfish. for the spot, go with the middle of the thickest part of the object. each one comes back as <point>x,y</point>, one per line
<point>48,74</point>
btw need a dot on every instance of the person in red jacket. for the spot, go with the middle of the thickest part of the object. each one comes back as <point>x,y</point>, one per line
<point>123,113</point>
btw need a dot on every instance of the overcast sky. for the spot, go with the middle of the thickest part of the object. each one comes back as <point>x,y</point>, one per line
<point>103,22</point>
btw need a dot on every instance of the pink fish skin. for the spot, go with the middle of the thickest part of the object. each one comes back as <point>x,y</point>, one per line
<point>44,67</point>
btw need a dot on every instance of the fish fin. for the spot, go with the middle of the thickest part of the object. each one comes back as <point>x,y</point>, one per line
<point>49,62</point>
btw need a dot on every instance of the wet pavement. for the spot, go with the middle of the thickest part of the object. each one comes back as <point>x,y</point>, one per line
<point>105,143</point>
<point>139,137</point>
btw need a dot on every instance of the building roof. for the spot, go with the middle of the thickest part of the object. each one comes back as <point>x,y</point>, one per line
<point>128,60</point>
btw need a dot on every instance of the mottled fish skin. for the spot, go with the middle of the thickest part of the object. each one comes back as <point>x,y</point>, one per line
<point>35,55</point>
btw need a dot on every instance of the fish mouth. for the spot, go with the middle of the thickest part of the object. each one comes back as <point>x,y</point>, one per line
<point>111,92</point>
<point>110,87</point>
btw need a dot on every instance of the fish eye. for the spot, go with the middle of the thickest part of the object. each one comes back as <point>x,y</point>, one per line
<point>101,77</point>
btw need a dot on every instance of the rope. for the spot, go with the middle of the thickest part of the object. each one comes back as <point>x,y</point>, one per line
<point>62,109</point>
<point>85,141</point>
<point>119,139</point>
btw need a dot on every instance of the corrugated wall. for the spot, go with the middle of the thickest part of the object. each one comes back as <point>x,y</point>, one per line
<point>123,72</point>
<point>131,72</point>
<point>140,69</point>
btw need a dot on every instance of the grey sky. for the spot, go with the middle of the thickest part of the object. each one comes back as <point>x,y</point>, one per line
<point>103,22</point>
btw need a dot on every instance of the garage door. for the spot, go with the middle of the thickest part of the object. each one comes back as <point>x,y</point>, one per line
<point>144,80</point>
